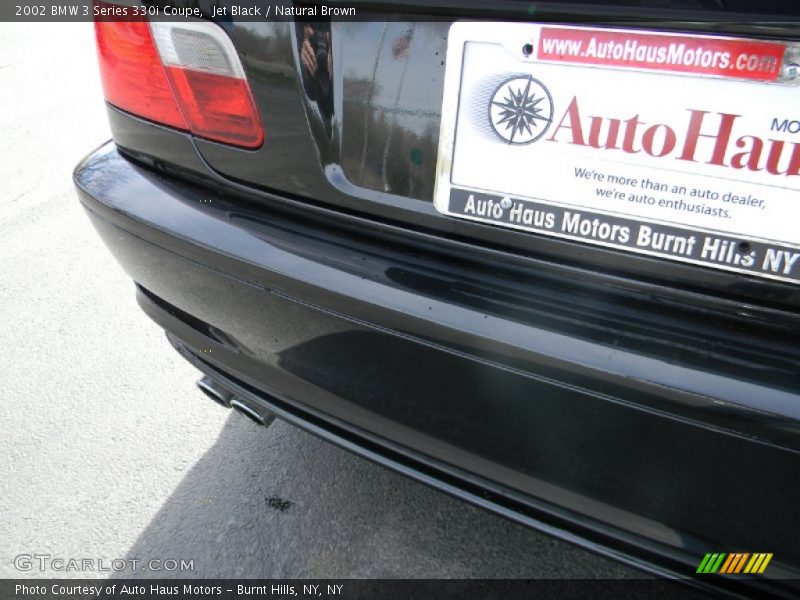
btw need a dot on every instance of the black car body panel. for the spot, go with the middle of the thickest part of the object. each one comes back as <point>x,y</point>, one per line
<point>398,343</point>
<point>642,408</point>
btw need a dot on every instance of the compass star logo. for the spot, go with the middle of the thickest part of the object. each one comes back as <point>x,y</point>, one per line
<point>521,110</point>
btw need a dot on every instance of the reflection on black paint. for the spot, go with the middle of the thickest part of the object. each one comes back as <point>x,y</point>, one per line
<point>390,117</point>
<point>316,66</point>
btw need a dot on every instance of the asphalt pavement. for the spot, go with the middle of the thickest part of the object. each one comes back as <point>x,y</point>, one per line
<point>111,455</point>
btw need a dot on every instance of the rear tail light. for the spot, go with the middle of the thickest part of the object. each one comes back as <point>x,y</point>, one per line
<point>133,76</point>
<point>184,75</point>
<point>208,82</point>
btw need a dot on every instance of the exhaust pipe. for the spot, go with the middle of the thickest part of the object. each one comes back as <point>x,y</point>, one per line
<point>255,416</point>
<point>224,397</point>
<point>215,391</point>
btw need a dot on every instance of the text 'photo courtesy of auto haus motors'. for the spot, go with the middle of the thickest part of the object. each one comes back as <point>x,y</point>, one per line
<point>678,146</point>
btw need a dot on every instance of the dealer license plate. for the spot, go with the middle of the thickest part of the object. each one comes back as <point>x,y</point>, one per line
<point>679,146</point>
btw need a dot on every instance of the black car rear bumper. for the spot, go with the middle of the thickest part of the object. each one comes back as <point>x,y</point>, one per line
<point>653,427</point>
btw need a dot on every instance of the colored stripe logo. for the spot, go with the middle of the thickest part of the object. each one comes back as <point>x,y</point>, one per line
<point>733,563</point>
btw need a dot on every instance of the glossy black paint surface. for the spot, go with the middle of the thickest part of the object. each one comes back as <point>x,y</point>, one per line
<point>587,407</point>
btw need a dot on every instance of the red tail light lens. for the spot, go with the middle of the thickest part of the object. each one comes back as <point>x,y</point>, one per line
<point>184,75</point>
<point>133,77</point>
<point>217,107</point>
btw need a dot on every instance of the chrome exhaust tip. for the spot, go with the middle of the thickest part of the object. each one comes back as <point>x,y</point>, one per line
<point>215,391</point>
<point>224,397</point>
<point>252,414</point>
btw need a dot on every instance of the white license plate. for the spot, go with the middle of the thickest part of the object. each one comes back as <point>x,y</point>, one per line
<point>680,146</point>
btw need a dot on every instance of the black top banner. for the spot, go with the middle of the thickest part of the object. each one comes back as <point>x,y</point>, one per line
<point>177,10</point>
<point>766,11</point>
